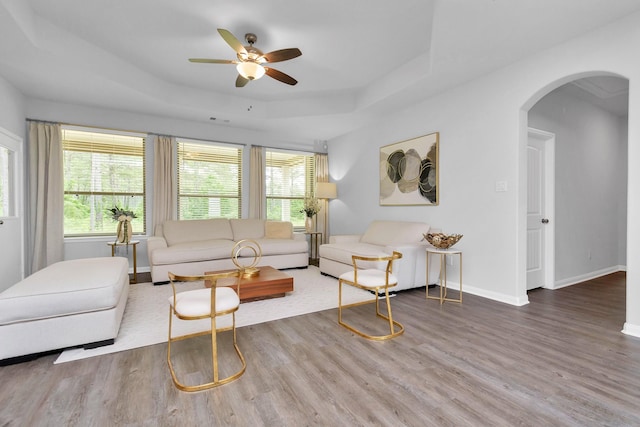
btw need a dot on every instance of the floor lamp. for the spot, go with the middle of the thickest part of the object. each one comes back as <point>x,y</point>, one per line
<point>326,191</point>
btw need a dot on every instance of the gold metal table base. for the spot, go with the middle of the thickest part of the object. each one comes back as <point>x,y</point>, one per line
<point>134,245</point>
<point>443,274</point>
<point>315,238</point>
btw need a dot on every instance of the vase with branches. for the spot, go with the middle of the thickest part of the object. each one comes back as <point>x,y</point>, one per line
<point>123,217</point>
<point>310,209</point>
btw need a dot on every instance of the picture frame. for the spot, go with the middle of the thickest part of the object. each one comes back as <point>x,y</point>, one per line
<point>409,172</point>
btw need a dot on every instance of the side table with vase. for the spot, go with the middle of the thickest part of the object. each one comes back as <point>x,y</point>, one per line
<point>441,245</point>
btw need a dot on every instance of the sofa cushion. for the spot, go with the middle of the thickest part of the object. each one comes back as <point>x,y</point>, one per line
<point>385,233</point>
<point>247,229</point>
<point>279,247</point>
<point>196,230</point>
<point>193,252</point>
<point>342,253</point>
<point>65,288</point>
<point>278,230</point>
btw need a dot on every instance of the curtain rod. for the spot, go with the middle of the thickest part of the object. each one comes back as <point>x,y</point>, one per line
<point>86,126</point>
<point>158,134</point>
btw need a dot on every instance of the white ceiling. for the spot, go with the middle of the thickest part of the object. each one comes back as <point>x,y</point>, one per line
<point>360,58</point>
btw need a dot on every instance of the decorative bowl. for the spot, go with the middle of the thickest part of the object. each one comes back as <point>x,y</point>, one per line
<point>441,240</point>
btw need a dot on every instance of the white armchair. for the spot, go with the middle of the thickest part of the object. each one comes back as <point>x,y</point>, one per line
<point>381,239</point>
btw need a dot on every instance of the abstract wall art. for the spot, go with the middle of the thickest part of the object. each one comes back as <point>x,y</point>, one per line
<point>409,172</point>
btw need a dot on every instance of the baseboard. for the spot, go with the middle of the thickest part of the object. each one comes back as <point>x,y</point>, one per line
<point>588,276</point>
<point>633,330</point>
<point>495,296</point>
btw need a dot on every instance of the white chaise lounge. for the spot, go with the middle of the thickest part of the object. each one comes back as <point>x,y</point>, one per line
<point>69,303</point>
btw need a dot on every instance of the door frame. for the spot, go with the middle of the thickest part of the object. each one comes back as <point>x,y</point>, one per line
<point>14,144</point>
<point>549,140</point>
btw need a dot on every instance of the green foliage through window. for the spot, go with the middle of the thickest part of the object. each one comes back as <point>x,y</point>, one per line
<point>102,170</point>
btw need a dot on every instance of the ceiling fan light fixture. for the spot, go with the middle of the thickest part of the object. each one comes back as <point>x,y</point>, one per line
<point>250,60</point>
<point>250,70</point>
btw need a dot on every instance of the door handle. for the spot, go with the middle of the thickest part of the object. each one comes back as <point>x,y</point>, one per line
<point>545,221</point>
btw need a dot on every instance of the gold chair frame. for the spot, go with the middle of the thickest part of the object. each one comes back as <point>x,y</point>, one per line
<point>217,381</point>
<point>395,328</point>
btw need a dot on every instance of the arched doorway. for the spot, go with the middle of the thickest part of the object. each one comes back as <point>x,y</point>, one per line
<point>588,113</point>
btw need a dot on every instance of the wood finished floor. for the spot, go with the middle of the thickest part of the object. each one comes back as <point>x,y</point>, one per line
<point>559,361</point>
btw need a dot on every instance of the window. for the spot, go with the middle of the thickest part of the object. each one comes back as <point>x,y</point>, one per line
<point>102,170</point>
<point>289,178</point>
<point>209,180</point>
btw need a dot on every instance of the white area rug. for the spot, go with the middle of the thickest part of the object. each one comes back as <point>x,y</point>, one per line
<point>146,316</point>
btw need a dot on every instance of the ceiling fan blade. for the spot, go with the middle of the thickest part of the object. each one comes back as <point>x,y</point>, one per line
<point>241,81</point>
<point>279,75</point>
<point>213,61</point>
<point>232,41</point>
<point>282,55</point>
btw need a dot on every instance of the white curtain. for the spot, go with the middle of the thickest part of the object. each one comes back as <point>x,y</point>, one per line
<point>164,197</point>
<point>46,195</point>
<point>322,175</point>
<point>256,184</point>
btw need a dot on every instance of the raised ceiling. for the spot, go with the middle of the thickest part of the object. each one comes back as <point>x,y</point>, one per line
<point>361,58</point>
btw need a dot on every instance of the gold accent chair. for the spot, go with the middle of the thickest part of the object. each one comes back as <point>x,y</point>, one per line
<point>376,281</point>
<point>202,304</point>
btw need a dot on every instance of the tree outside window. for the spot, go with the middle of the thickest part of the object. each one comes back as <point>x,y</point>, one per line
<point>102,170</point>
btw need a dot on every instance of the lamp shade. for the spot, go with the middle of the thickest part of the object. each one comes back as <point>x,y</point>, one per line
<point>326,190</point>
<point>250,70</point>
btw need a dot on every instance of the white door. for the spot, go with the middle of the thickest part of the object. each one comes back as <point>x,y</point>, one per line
<point>11,222</point>
<point>539,197</point>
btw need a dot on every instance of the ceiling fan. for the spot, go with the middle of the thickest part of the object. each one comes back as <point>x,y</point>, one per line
<point>250,60</point>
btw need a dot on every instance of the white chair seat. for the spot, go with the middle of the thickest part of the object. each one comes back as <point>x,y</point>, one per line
<point>370,278</point>
<point>198,302</point>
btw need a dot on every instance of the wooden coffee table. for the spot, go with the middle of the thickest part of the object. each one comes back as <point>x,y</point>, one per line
<point>270,283</point>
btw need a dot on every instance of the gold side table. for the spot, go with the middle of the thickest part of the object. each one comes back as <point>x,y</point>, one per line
<point>134,245</point>
<point>314,238</point>
<point>443,273</point>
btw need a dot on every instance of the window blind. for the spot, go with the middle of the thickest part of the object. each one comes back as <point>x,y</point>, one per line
<point>289,178</point>
<point>209,180</point>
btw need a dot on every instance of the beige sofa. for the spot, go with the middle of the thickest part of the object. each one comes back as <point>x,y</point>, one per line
<point>380,239</point>
<point>192,247</point>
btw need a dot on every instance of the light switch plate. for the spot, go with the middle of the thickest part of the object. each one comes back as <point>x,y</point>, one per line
<point>501,186</point>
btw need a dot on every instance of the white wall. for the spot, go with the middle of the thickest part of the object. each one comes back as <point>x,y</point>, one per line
<point>483,136</point>
<point>12,109</point>
<point>591,184</point>
<point>101,117</point>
